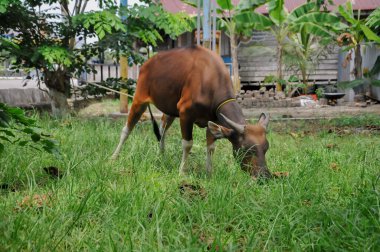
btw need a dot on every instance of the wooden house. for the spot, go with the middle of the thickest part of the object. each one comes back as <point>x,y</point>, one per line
<point>256,56</point>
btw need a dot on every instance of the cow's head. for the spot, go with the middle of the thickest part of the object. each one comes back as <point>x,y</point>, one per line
<point>249,143</point>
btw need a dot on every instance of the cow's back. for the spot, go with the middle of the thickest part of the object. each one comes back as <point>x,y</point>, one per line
<point>196,73</point>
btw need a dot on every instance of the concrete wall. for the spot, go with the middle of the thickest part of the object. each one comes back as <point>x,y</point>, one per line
<point>369,55</point>
<point>25,97</point>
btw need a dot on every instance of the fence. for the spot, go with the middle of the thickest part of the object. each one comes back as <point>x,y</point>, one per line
<point>104,71</point>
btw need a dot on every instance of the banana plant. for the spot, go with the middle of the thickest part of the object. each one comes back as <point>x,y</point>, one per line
<point>300,27</point>
<point>357,34</point>
<point>235,20</point>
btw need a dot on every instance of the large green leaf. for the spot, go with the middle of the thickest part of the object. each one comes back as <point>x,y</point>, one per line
<point>315,29</point>
<point>373,19</point>
<point>253,20</point>
<point>351,84</point>
<point>250,4</point>
<point>320,18</point>
<point>305,37</point>
<point>347,14</point>
<point>192,3</point>
<point>370,34</point>
<point>301,10</point>
<point>225,4</point>
<point>376,67</point>
<point>277,11</point>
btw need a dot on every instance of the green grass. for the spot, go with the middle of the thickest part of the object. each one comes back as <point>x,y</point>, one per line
<point>330,201</point>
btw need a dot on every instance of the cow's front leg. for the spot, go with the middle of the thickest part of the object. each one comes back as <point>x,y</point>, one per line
<point>209,151</point>
<point>187,142</point>
<point>166,122</point>
<point>134,115</point>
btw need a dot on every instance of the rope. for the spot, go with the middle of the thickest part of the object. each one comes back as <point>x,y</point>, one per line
<point>109,89</point>
<point>223,103</point>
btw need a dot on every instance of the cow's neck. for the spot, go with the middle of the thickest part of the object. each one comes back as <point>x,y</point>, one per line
<point>232,111</point>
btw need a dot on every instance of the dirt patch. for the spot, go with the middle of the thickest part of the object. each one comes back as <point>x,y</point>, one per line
<point>100,108</point>
<point>192,190</point>
<point>107,107</point>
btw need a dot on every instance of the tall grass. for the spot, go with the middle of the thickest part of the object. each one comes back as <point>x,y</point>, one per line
<point>330,201</point>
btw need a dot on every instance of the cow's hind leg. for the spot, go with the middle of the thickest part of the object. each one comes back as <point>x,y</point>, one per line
<point>209,151</point>
<point>166,122</point>
<point>134,115</point>
<point>187,141</point>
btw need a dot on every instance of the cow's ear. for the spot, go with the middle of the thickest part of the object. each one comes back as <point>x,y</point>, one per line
<point>218,131</point>
<point>264,120</point>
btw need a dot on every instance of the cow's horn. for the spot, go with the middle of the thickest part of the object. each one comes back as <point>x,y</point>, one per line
<point>235,126</point>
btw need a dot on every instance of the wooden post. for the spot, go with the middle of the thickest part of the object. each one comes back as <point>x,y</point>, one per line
<point>124,76</point>
<point>199,22</point>
<point>123,101</point>
<point>124,71</point>
<point>206,24</point>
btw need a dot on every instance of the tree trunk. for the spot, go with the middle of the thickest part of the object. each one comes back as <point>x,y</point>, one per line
<point>304,74</point>
<point>58,82</point>
<point>235,65</point>
<point>59,104</point>
<point>279,66</point>
<point>358,70</point>
<point>358,63</point>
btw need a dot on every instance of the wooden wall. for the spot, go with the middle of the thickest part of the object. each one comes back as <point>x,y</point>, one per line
<point>257,59</point>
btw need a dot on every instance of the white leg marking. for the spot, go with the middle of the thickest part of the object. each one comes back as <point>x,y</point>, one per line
<point>124,135</point>
<point>210,151</point>
<point>186,147</point>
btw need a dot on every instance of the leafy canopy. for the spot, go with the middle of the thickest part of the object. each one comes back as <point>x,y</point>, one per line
<point>62,40</point>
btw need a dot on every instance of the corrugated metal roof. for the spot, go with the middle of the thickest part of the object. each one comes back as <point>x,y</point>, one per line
<point>175,6</point>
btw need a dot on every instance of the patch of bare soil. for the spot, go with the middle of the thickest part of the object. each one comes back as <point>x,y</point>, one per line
<point>99,108</point>
<point>192,190</point>
<point>283,120</point>
<point>111,107</point>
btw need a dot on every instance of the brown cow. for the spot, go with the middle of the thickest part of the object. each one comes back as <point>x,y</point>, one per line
<point>194,85</point>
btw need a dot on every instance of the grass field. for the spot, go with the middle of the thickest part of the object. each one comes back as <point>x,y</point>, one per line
<point>329,202</point>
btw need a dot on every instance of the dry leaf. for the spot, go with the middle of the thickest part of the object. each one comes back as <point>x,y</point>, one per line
<point>331,146</point>
<point>280,174</point>
<point>334,166</point>
<point>36,201</point>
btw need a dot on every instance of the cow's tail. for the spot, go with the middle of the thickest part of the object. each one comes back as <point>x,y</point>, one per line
<point>156,129</point>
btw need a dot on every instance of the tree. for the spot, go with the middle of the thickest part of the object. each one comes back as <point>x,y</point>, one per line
<point>301,27</point>
<point>237,24</point>
<point>310,33</point>
<point>48,41</point>
<point>356,34</point>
